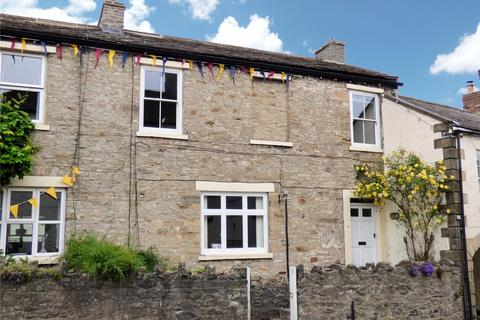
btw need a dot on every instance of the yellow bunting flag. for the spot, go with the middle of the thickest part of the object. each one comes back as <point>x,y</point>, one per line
<point>75,49</point>
<point>111,54</point>
<point>190,64</point>
<point>67,180</point>
<point>76,170</point>
<point>14,210</point>
<point>52,193</point>
<point>284,76</point>
<point>221,67</point>
<point>252,71</point>
<point>154,60</point>
<point>33,202</point>
<point>24,44</point>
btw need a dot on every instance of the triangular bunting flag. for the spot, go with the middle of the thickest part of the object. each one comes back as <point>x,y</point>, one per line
<point>75,49</point>
<point>98,53</point>
<point>154,60</point>
<point>284,76</point>
<point>76,170</point>
<point>210,67</point>
<point>270,75</point>
<point>14,210</point>
<point>59,51</point>
<point>124,59</point>
<point>190,64</point>
<point>33,202</point>
<point>252,71</point>
<point>221,67</point>
<point>12,43</point>
<point>52,193</point>
<point>111,54</point>
<point>24,44</point>
<point>67,180</point>
<point>137,59</point>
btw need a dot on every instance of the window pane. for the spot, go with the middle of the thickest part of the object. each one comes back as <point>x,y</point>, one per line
<point>366,212</point>
<point>31,103</point>
<point>255,203</point>
<point>358,131</point>
<point>152,84</point>
<point>48,238</point>
<point>212,202</point>
<point>49,207</point>
<point>234,232</point>
<point>151,114</point>
<point>213,231</point>
<point>357,104</point>
<point>353,212</point>
<point>169,115</point>
<point>370,108</point>
<point>255,232</point>
<point>234,202</point>
<point>369,132</point>
<point>25,209</point>
<point>170,91</point>
<point>19,238</point>
<point>21,69</point>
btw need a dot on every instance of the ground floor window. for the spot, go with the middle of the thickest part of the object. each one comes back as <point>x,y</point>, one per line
<point>234,223</point>
<point>39,226</point>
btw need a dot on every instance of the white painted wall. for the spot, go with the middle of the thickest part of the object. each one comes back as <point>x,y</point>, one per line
<point>405,128</point>
<point>470,144</point>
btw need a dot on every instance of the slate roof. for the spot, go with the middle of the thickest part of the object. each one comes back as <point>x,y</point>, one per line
<point>461,118</point>
<point>133,41</point>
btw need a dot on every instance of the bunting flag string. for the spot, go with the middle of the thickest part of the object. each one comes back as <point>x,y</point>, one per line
<point>216,76</point>
<point>221,67</point>
<point>111,54</point>
<point>59,51</point>
<point>75,49</point>
<point>24,44</point>
<point>124,59</point>
<point>98,54</point>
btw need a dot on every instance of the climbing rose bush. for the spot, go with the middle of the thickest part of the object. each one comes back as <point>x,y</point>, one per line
<point>416,188</point>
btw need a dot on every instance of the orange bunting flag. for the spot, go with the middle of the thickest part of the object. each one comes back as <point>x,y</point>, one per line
<point>33,202</point>
<point>75,49</point>
<point>14,210</point>
<point>24,44</point>
<point>252,71</point>
<point>52,193</point>
<point>154,60</point>
<point>67,180</point>
<point>76,170</point>
<point>284,76</point>
<point>221,67</point>
<point>111,54</point>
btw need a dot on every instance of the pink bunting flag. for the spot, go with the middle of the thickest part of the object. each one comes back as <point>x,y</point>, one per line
<point>270,75</point>
<point>137,59</point>
<point>12,45</point>
<point>59,51</point>
<point>210,67</point>
<point>98,54</point>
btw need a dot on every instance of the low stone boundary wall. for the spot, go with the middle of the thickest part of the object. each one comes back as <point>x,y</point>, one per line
<point>381,292</point>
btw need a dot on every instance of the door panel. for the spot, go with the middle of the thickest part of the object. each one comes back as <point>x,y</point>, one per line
<point>364,246</point>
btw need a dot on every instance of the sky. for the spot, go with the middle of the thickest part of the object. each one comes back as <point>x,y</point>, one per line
<point>432,46</point>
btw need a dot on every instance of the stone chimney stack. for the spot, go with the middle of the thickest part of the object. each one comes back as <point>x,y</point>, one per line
<point>111,18</point>
<point>471,100</point>
<point>332,51</point>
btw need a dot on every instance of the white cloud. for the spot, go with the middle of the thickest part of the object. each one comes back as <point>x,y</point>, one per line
<point>465,58</point>
<point>136,15</point>
<point>463,90</point>
<point>77,11</point>
<point>256,34</point>
<point>200,9</point>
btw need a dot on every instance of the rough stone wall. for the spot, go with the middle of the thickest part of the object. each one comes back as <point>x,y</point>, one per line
<point>217,117</point>
<point>382,292</point>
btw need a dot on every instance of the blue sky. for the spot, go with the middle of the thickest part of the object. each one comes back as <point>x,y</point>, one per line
<point>402,38</point>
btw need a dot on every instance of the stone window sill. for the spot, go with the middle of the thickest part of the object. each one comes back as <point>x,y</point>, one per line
<point>42,127</point>
<point>248,256</point>
<point>176,136</point>
<point>41,260</point>
<point>366,149</point>
<point>272,143</point>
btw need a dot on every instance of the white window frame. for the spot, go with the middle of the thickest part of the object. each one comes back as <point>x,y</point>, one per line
<point>377,144</point>
<point>28,87</point>
<point>34,220</point>
<point>179,128</point>
<point>223,213</point>
<point>477,154</point>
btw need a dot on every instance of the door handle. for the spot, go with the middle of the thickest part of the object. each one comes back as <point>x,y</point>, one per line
<point>374,235</point>
<point>362,243</point>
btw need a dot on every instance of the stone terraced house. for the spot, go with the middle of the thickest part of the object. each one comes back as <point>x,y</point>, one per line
<point>207,168</point>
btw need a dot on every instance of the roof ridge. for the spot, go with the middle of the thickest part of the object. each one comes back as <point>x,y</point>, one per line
<point>438,104</point>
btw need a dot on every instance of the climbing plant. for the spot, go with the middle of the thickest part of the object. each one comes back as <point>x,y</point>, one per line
<point>16,147</point>
<point>416,188</point>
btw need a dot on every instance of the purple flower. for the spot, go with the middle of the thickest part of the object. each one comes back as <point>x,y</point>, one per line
<point>415,270</point>
<point>428,269</point>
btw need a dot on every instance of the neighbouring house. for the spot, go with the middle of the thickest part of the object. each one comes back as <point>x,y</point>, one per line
<point>197,149</point>
<point>409,123</point>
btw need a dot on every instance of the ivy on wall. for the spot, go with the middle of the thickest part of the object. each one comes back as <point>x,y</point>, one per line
<point>16,147</point>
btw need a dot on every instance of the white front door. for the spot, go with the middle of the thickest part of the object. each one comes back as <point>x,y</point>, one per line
<point>364,242</point>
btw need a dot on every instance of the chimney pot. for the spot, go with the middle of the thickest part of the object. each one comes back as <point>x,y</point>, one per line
<point>470,87</point>
<point>112,16</point>
<point>471,100</point>
<point>333,51</point>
